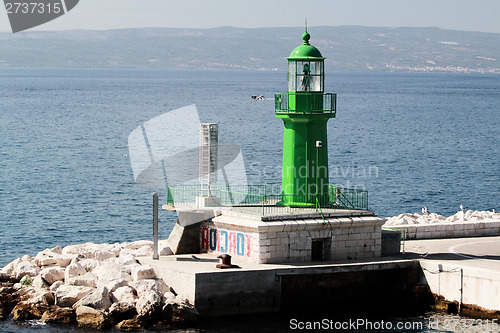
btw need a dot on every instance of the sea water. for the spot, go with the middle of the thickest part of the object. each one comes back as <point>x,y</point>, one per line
<point>410,139</point>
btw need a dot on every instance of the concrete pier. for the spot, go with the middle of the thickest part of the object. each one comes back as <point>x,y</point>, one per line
<point>462,270</point>
<point>273,287</point>
<point>465,271</point>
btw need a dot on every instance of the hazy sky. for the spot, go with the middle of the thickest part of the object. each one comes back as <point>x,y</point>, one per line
<point>472,15</point>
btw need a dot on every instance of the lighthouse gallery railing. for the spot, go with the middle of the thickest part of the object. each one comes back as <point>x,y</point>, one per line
<point>260,199</point>
<point>328,103</point>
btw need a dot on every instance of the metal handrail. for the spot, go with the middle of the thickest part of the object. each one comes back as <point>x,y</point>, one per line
<point>258,199</point>
<point>329,104</point>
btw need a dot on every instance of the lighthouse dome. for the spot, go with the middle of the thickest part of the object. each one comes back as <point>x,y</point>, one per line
<point>305,50</point>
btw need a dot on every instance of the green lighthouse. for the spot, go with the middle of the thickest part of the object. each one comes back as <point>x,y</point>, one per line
<point>305,111</point>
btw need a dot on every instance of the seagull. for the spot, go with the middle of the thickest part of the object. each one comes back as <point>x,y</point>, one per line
<point>462,208</point>
<point>425,211</point>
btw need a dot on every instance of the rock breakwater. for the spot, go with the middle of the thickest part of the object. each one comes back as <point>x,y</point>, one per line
<point>93,286</point>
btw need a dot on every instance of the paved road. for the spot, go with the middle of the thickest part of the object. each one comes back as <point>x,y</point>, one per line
<point>472,251</point>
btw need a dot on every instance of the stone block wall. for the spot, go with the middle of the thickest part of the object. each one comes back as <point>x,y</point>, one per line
<point>450,230</point>
<point>293,241</point>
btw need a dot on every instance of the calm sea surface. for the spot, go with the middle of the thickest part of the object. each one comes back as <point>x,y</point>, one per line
<point>412,140</point>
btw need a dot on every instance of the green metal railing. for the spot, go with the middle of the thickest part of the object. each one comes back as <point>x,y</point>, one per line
<point>264,199</point>
<point>328,105</point>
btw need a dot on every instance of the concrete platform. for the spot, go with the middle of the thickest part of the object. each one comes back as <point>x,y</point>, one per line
<point>464,270</point>
<point>270,287</point>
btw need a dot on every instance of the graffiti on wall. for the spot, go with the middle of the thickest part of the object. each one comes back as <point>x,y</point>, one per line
<point>226,241</point>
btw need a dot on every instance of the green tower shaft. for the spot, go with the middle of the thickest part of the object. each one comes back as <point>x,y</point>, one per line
<point>305,111</point>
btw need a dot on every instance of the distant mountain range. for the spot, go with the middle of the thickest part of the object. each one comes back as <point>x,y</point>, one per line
<point>345,47</point>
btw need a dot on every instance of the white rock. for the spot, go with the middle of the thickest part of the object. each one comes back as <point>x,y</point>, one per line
<point>113,284</point>
<point>147,303</point>
<point>74,269</point>
<point>98,299</point>
<point>57,249</point>
<point>42,296</point>
<point>89,264</point>
<point>10,268</point>
<point>164,248</point>
<point>145,251</point>
<point>119,308</point>
<point>46,258</point>
<point>64,260</point>
<point>103,255</point>
<point>52,274</point>
<point>26,268</point>
<point>86,250</point>
<point>124,294</point>
<point>66,296</point>
<point>86,280</point>
<point>144,286</point>
<point>27,258</point>
<point>56,285</point>
<point>166,251</point>
<point>40,283</point>
<point>115,249</point>
<point>111,271</point>
<point>126,259</point>
<point>169,296</point>
<point>138,244</point>
<point>143,272</point>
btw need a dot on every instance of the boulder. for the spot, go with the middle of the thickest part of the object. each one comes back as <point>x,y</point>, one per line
<point>66,296</point>
<point>126,260</point>
<point>86,280</point>
<point>74,269</point>
<point>8,300</point>
<point>165,251</point>
<point>124,294</point>
<point>129,325</point>
<point>180,313</point>
<point>113,284</point>
<point>40,283</point>
<point>28,311</point>
<point>89,264</point>
<point>148,306</point>
<point>26,268</point>
<point>115,249</point>
<point>57,249</point>
<point>164,247</point>
<point>143,272</point>
<point>103,255</point>
<point>88,317</point>
<point>84,250</point>
<point>122,311</point>
<point>10,268</point>
<point>52,274</point>
<point>24,293</point>
<point>4,277</point>
<point>43,296</point>
<point>58,315</point>
<point>27,258</point>
<point>64,260</point>
<point>138,244</point>
<point>148,285</point>
<point>46,258</point>
<point>98,299</point>
<point>169,296</point>
<point>111,271</point>
<point>56,285</point>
